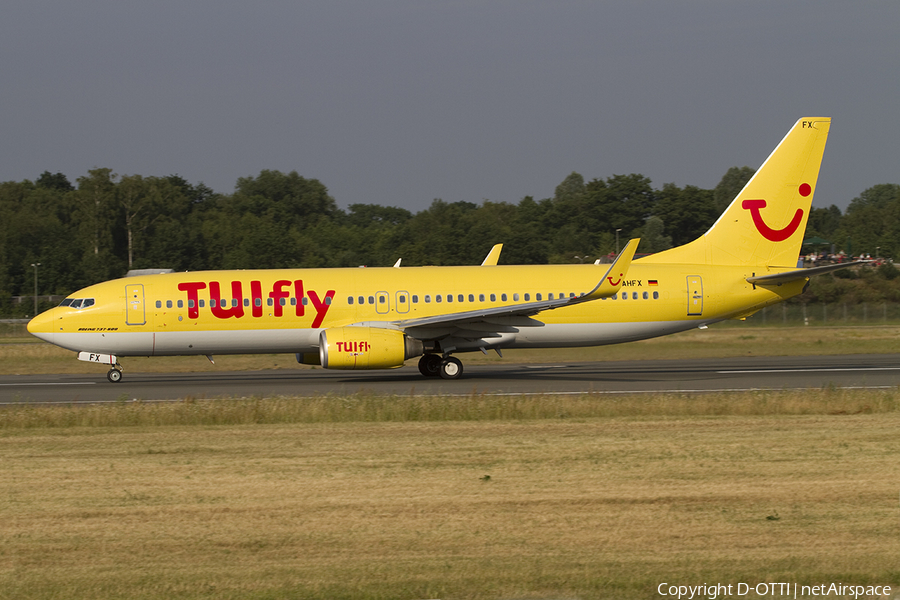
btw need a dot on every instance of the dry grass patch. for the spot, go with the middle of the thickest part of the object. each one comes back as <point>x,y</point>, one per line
<point>400,506</point>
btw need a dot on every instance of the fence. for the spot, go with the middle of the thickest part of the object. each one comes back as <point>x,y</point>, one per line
<point>822,314</point>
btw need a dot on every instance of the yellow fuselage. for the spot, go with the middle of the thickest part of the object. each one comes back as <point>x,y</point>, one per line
<point>219,312</point>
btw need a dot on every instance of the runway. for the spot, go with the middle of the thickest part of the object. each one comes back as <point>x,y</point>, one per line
<point>683,375</point>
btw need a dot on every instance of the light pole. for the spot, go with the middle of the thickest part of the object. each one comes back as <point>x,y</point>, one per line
<point>35,265</point>
<point>617,240</point>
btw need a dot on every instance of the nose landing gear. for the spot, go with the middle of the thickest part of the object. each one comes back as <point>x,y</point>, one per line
<point>115,374</point>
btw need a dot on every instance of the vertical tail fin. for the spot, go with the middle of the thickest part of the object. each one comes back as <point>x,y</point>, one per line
<point>766,222</point>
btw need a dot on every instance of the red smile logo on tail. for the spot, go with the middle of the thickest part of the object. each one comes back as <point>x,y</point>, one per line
<point>775,235</point>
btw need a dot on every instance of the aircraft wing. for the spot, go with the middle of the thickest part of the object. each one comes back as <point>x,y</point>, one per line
<point>779,278</point>
<point>491,322</point>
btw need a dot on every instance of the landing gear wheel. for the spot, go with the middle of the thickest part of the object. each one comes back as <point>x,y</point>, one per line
<point>430,365</point>
<point>114,375</point>
<point>451,368</point>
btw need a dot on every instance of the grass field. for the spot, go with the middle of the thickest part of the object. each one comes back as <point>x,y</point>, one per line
<point>525,497</point>
<point>368,497</point>
<point>27,355</point>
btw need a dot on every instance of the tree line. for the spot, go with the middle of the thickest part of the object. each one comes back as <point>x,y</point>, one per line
<point>102,225</point>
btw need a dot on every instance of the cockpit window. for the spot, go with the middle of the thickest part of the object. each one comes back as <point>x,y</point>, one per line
<point>77,302</point>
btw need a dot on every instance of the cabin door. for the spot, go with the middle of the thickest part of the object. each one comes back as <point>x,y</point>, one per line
<point>402,303</point>
<point>695,296</point>
<point>382,303</point>
<point>134,305</point>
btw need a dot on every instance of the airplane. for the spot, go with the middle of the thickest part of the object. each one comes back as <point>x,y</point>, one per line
<point>378,318</point>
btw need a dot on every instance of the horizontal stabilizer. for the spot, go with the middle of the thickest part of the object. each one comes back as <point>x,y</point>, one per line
<point>779,278</point>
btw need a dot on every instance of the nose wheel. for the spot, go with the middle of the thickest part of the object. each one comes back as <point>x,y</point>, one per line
<point>114,375</point>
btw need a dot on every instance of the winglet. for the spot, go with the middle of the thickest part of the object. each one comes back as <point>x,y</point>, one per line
<point>493,256</point>
<point>612,280</point>
<point>397,264</point>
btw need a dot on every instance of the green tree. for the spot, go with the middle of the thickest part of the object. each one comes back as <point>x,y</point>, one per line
<point>97,208</point>
<point>688,213</point>
<point>872,221</point>
<point>730,186</point>
<point>653,238</point>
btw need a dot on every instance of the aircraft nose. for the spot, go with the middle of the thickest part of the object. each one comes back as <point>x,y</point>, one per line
<point>42,325</point>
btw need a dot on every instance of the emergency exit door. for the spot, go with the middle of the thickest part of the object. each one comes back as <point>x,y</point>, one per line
<point>134,305</point>
<point>695,295</point>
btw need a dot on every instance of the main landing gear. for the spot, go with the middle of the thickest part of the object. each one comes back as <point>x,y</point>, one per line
<point>115,374</point>
<point>433,365</point>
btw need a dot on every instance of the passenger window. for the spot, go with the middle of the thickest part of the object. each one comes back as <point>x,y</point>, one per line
<point>550,296</point>
<point>246,302</point>
<point>415,299</point>
<point>327,300</point>
<point>257,302</point>
<point>402,299</point>
<point>461,298</point>
<point>168,304</point>
<point>427,298</point>
<point>527,297</point>
<point>493,297</point>
<point>202,303</point>
<point>503,297</point>
<point>371,299</point>
<point>656,295</point>
<point>481,297</point>
<point>223,302</point>
<point>190,304</point>
<point>449,297</point>
<point>437,298</point>
<point>615,296</point>
<point>471,297</point>
<point>282,301</point>
<point>516,297</point>
<point>234,302</point>
<point>537,297</point>
<point>181,304</point>
<point>646,296</point>
<point>361,300</point>
<point>305,301</point>
<point>624,295</point>
<point>349,299</point>
<point>158,304</point>
<point>270,302</point>
<point>634,296</point>
<point>381,299</point>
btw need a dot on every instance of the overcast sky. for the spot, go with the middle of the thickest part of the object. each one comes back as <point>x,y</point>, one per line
<point>401,102</point>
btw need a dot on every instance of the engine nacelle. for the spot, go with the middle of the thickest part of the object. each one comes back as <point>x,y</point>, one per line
<point>366,348</point>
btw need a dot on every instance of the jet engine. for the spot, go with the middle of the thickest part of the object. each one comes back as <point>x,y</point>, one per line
<point>366,348</point>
